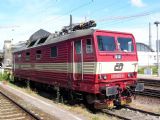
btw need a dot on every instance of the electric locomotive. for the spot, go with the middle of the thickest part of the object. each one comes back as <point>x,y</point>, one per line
<point>99,65</point>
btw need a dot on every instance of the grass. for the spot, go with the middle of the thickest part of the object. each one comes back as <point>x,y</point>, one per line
<point>77,109</point>
<point>82,110</point>
<point>25,89</point>
<point>5,78</point>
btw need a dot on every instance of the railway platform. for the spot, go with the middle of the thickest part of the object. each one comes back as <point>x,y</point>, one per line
<point>46,106</point>
<point>148,77</point>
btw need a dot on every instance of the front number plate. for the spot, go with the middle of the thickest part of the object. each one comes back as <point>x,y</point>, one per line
<point>118,75</point>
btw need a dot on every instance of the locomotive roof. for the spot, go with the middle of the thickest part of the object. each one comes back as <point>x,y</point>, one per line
<point>78,33</point>
<point>54,39</point>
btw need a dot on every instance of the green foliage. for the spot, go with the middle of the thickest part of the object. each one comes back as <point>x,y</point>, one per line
<point>1,77</point>
<point>141,69</point>
<point>4,76</point>
<point>154,68</point>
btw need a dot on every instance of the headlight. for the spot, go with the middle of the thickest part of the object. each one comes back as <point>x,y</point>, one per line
<point>130,75</point>
<point>118,56</point>
<point>102,77</point>
<point>105,77</point>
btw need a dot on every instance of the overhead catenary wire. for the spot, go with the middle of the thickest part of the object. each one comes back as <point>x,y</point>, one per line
<point>9,26</point>
<point>103,7</point>
<point>119,19</point>
<point>111,18</point>
<point>120,8</point>
<point>78,8</point>
<point>70,11</point>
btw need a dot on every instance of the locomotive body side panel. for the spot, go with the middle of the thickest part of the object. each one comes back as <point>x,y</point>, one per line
<point>64,70</point>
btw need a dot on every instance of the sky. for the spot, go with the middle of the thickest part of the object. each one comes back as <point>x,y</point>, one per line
<point>19,19</point>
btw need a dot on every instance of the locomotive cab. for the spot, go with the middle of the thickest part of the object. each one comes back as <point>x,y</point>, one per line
<point>117,65</point>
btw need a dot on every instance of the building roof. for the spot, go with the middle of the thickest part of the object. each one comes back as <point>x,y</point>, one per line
<point>141,47</point>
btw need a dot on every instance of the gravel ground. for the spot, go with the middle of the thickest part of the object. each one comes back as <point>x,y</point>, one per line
<point>133,115</point>
<point>147,103</point>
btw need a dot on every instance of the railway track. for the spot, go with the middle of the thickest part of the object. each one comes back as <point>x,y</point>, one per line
<point>150,92</point>
<point>129,113</point>
<point>148,82</point>
<point>151,88</point>
<point>11,110</point>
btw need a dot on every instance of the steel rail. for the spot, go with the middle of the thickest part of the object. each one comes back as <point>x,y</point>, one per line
<point>149,81</point>
<point>143,111</point>
<point>132,109</point>
<point>21,107</point>
<point>115,115</point>
<point>150,92</point>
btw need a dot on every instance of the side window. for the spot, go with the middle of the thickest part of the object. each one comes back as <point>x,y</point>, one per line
<point>38,54</point>
<point>27,56</point>
<point>89,47</point>
<point>78,47</point>
<point>19,56</point>
<point>54,51</point>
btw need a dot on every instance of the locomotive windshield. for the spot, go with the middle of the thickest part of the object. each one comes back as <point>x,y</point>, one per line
<point>106,43</point>
<point>125,44</point>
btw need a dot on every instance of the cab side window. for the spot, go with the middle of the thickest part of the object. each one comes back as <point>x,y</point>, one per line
<point>89,46</point>
<point>27,56</point>
<point>78,47</point>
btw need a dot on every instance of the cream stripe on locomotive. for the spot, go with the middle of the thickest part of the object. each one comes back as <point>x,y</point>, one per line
<point>116,67</point>
<point>86,68</point>
<point>61,67</point>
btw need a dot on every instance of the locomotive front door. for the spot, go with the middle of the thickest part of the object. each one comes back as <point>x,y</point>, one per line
<point>78,60</point>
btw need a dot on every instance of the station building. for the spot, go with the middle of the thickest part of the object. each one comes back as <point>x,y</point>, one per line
<point>146,55</point>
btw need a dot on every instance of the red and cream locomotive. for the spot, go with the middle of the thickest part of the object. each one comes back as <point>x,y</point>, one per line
<point>100,65</point>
